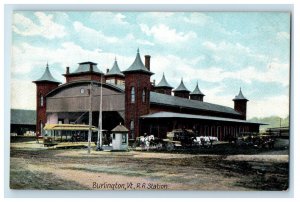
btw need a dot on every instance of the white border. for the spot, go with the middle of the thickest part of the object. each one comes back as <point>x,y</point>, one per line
<point>218,6</point>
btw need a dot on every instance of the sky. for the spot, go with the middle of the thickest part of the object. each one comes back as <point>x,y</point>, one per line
<point>222,51</point>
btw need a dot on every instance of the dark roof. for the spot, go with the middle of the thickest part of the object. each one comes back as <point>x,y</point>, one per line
<point>240,96</point>
<point>47,76</point>
<point>137,65</point>
<point>163,99</point>
<point>197,91</point>
<point>22,116</point>
<point>115,70</point>
<point>192,116</point>
<point>119,88</point>
<point>181,87</point>
<point>120,128</point>
<point>85,67</point>
<point>163,83</point>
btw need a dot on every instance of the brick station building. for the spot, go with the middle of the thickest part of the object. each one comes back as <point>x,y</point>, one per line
<point>130,98</point>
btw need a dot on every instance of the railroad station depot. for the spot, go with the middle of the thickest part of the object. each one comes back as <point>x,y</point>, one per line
<point>130,98</point>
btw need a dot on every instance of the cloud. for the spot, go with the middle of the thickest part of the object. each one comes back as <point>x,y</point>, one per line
<point>199,19</point>
<point>283,36</point>
<point>44,27</point>
<point>23,94</point>
<point>120,18</point>
<point>90,36</point>
<point>144,42</point>
<point>165,34</point>
<point>271,106</point>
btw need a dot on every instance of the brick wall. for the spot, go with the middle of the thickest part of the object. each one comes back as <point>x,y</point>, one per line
<point>197,97</point>
<point>163,90</point>
<point>182,94</point>
<point>42,89</point>
<point>134,110</point>
<point>83,77</point>
<point>241,107</point>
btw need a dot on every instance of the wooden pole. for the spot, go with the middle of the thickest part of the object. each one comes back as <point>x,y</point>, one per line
<point>90,120</point>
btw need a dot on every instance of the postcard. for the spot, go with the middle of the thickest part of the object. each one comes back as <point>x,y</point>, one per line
<point>150,101</point>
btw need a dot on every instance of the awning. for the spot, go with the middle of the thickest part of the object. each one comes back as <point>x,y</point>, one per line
<point>192,116</point>
<point>78,127</point>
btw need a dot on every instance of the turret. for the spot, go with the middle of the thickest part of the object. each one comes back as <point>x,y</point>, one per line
<point>114,75</point>
<point>86,71</point>
<point>240,104</point>
<point>197,94</point>
<point>44,85</point>
<point>137,94</point>
<point>163,86</point>
<point>181,91</point>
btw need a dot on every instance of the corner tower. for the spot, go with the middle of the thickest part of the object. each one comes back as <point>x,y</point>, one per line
<point>240,104</point>
<point>44,85</point>
<point>137,94</point>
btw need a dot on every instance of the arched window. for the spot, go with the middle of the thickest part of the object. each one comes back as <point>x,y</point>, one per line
<point>42,101</point>
<point>132,93</point>
<point>144,95</point>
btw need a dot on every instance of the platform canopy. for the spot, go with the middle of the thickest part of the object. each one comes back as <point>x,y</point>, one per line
<point>77,127</point>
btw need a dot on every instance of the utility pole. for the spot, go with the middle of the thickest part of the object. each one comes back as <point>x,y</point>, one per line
<point>99,141</point>
<point>90,120</point>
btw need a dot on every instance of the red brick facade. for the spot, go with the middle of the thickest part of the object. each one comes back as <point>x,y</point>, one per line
<point>42,89</point>
<point>84,76</point>
<point>141,104</point>
<point>241,107</point>
<point>183,94</point>
<point>196,97</point>
<point>163,90</point>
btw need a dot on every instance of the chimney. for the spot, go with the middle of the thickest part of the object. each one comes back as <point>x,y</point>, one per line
<point>147,61</point>
<point>107,70</point>
<point>91,67</point>
<point>67,70</point>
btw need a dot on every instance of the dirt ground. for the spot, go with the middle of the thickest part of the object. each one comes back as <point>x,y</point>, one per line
<point>34,167</point>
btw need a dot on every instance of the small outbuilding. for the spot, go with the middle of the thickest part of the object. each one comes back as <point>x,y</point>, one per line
<point>119,138</point>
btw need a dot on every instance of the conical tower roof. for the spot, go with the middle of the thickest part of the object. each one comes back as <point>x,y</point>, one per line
<point>197,91</point>
<point>47,77</point>
<point>115,70</point>
<point>137,65</point>
<point>181,87</point>
<point>163,82</point>
<point>240,96</point>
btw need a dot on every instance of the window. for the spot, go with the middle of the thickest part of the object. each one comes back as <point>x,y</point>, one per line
<point>114,136</point>
<point>82,90</point>
<point>132,93</point>
<point>144,96</point>
<point>124,139</point>
<point>42,101</point>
